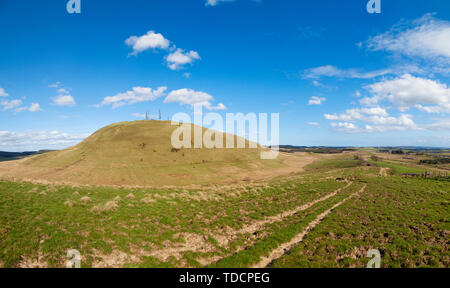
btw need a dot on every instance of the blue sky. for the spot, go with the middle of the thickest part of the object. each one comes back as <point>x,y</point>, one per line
<point>336,74</point>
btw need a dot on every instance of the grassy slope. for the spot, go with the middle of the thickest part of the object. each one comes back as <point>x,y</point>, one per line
<point>33,223</point>
<point>398,168</point>
<point>405,218</point>
<point>138,153</point>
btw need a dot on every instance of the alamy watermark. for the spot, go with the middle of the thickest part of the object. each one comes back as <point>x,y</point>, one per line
<point>74,257</point>
<point>251,129</point>
<point>375,262</point>
<point>73,6</point>
<point>374,6</point>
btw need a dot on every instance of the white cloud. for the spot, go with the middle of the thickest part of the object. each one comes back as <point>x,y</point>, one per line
<point>190,97</point>
<point>179,58</point>
<point>358,114</point>
<point>312,123</point>
<point>317,83</point>
<point>16,104</point>
<point>3,93</point>
<point>216,2</point>
<point>316,100</point>
<point>64,100</point>
<point>332,71</point>
<point>63,91</point>
<point>35,140</point>
<point>151,40</point>
<point>377,117</point>
<point>426,37</point>
<point>345,126</point>
<point>10,104</point>
<point>408,91</point>
<point>187,75</point>
<point>35,107</point>
<point>380,124</point>
<point>136,95</point>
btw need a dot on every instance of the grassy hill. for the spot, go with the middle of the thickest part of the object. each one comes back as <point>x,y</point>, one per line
<point>140,153</point>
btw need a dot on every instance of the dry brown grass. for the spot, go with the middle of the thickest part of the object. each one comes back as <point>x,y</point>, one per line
<point>115,156</point>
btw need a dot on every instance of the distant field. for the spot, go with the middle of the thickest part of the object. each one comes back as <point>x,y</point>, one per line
<point>327,216</point>
<point>399,169</point>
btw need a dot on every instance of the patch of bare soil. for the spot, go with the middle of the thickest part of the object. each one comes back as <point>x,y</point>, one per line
<point>191,243</point>
<point>283,248</point>
<point>384,172</point>
<point>32,262</point>
<point>228,235</point>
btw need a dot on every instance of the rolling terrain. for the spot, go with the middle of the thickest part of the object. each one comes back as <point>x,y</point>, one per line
<point>124,198</point>
<point>329,215</point>
<point>140,153</point>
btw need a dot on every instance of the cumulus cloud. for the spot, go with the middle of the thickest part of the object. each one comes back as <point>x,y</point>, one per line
<point>345,126</point>
<point>136,95</point>
<point>402,123</point>
<point>3,93</point>
<point>35,107</point>
<point>36,140</point>
<point>316,100</point>
<point>151,40</point>
<point>312,123</point>
<point>409,91</point>
<point>64,100</point>
<point>426,37</point>
<point>377,119</point>
<point>190,97</point>
<point>16,104</point>
<point>178,59</point>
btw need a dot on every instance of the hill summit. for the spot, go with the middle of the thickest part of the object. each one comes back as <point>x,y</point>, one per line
<point>140,153</point>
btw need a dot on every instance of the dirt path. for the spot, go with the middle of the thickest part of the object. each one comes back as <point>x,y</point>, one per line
<point>281,250</point>
<point>384,172</point>
<point>227,236</point>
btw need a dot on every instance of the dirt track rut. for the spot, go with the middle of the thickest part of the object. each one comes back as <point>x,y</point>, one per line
<point>281,250</point>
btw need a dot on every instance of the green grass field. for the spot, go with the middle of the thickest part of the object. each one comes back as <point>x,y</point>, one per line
<point>407,219</point>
